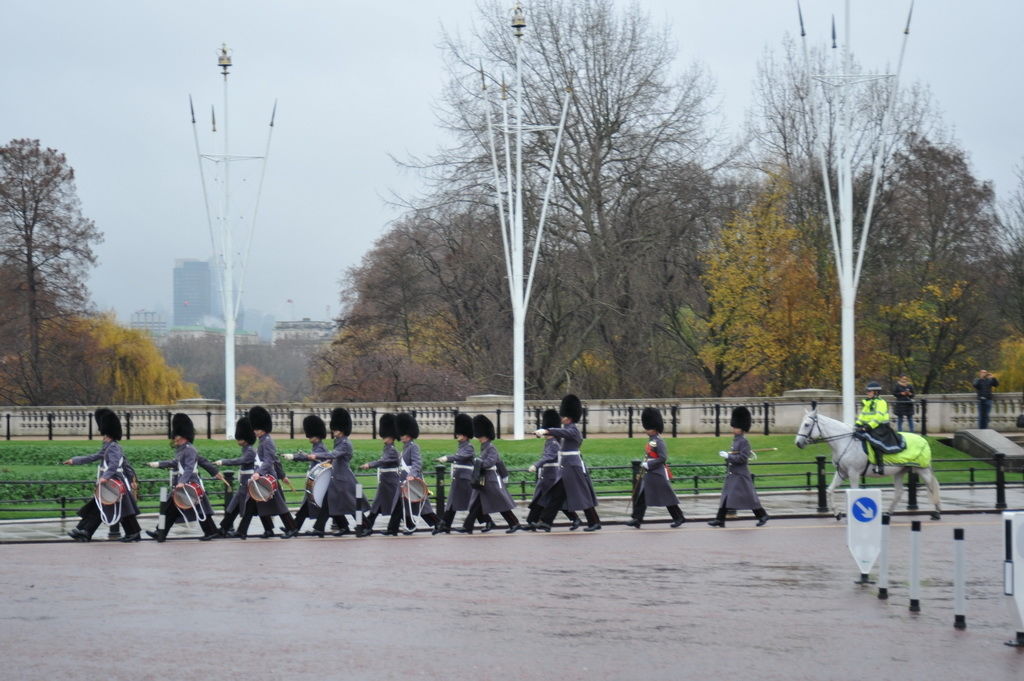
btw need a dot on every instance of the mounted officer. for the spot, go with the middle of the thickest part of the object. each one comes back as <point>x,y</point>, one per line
<point>872,426</point>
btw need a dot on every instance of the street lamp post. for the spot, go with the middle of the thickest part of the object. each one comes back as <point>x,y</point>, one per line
<point>842,80</point>
<point>520,282</point>
<point>224,248</point>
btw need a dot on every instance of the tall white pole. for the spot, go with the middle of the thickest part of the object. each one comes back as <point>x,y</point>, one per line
<point>518,303</point>
<point>848,275</point>
<point>513,233</point>
<point>228,287</point>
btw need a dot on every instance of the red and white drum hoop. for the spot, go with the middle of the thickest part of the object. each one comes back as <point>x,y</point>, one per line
<point>415,490</point>
<point>109,492</point>
<point>263,488</point>
<point>318,479</point>
<point>187,497</point>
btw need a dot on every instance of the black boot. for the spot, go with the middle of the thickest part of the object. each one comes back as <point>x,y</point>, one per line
<point>762,516</point>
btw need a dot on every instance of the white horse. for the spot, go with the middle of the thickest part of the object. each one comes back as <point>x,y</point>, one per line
<point>852,463</point>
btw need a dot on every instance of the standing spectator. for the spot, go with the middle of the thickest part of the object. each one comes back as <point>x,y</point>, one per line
<point>983,384</point>
<point>904,407</point>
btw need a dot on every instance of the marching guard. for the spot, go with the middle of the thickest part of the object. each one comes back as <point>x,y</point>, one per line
<point>738,491</point>
<point>572,487</point>
<point>341,499</point>
<point>460,492</point>
<point>411,469</point>
<point>389,492</point>
<point>546,470</point>
<point>245,436</point>
<point>113,470</point>
<point>316,432</point>
<point>654,488</point>
<point>267,465</point>
<point>186,461</point>
<point>492,496</point>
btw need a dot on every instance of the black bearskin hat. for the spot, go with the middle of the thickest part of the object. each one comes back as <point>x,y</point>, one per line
<point>463,425</point>
<point>313,426</point>
<point>651,419</point>
<point>260,419</point>
<point>407,426</point>
<point>741,419</point>
<point>482,427</point>
<point>550,419</point>
<point>244,432</point>
<point>341,420</point>
<point>181,426</point>
<point>388,426</point>
<point>571,408</point>
<point>108,424</point>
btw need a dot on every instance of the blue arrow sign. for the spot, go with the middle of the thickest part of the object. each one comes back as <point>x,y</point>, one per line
<point>864,509</point>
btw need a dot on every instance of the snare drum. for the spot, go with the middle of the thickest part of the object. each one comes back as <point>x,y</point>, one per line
<point>188,497</point>
<point>415,490</point>
<point>318,479</point>
<point>263,488</point>
<point>109,492</point>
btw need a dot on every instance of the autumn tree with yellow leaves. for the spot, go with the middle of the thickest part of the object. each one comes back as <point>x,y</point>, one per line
<point>770,314</point>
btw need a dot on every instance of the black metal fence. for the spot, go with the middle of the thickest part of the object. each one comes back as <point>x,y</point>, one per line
<point>609,481</point>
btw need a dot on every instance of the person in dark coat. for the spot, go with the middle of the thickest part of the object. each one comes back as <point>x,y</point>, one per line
<point>493,497</point>
<point>245,437</point>
<point>546,470</point>
<point>903,391</point>
<point>460,492</point>
<point>572,489</point>
<point>341,499</point>
<point>412,467</point>
<point>267,464</point>
<point>654,487</point>
<point>738,491</point>
<point>112,466</point>
<point>389,492</point>
<point>315,431</point>
<point>186,461</point>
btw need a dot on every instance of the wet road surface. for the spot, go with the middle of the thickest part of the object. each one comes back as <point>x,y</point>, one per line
<point>776,602</point>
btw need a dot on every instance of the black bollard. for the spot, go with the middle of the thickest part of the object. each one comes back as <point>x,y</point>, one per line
<point>915,566</point>
<point>883,560</point>
<point>959,588</point>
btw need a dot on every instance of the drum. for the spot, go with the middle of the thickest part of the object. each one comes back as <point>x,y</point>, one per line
<point>109,492</point>
<point>318,479</point>
<point>415,490</point>
<point>188,497</point>
<point>263,488</point>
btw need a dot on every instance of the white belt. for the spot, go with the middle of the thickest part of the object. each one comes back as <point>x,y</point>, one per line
<point>462,466</point>
<point>388,470</point>
<point>576,453</point>
<point>548,465</point>
<point>246,472</point>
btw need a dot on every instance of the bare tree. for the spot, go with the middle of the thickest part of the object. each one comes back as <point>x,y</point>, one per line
<point>45,250</point>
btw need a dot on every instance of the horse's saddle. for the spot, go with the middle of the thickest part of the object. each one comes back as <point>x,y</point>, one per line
<point>881,438</point>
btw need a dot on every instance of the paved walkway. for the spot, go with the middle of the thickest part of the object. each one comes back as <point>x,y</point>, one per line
<point>771,603</point>
<point>698,508</point>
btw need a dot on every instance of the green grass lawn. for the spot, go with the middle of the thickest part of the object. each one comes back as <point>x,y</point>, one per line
<point>695,463</point>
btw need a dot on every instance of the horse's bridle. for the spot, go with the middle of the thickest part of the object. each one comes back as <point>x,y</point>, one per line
<point>809,438</point>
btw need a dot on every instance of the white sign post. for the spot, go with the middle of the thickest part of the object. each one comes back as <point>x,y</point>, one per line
<point>1013,567</point>
<point>864,528</point>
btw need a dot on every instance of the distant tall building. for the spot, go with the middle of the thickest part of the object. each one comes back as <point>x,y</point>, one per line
<point>193,292</point>
<point>304,331</point>
<point>148,320</point>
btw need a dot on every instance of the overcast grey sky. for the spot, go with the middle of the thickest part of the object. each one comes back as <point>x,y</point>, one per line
<point>107,83</point>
